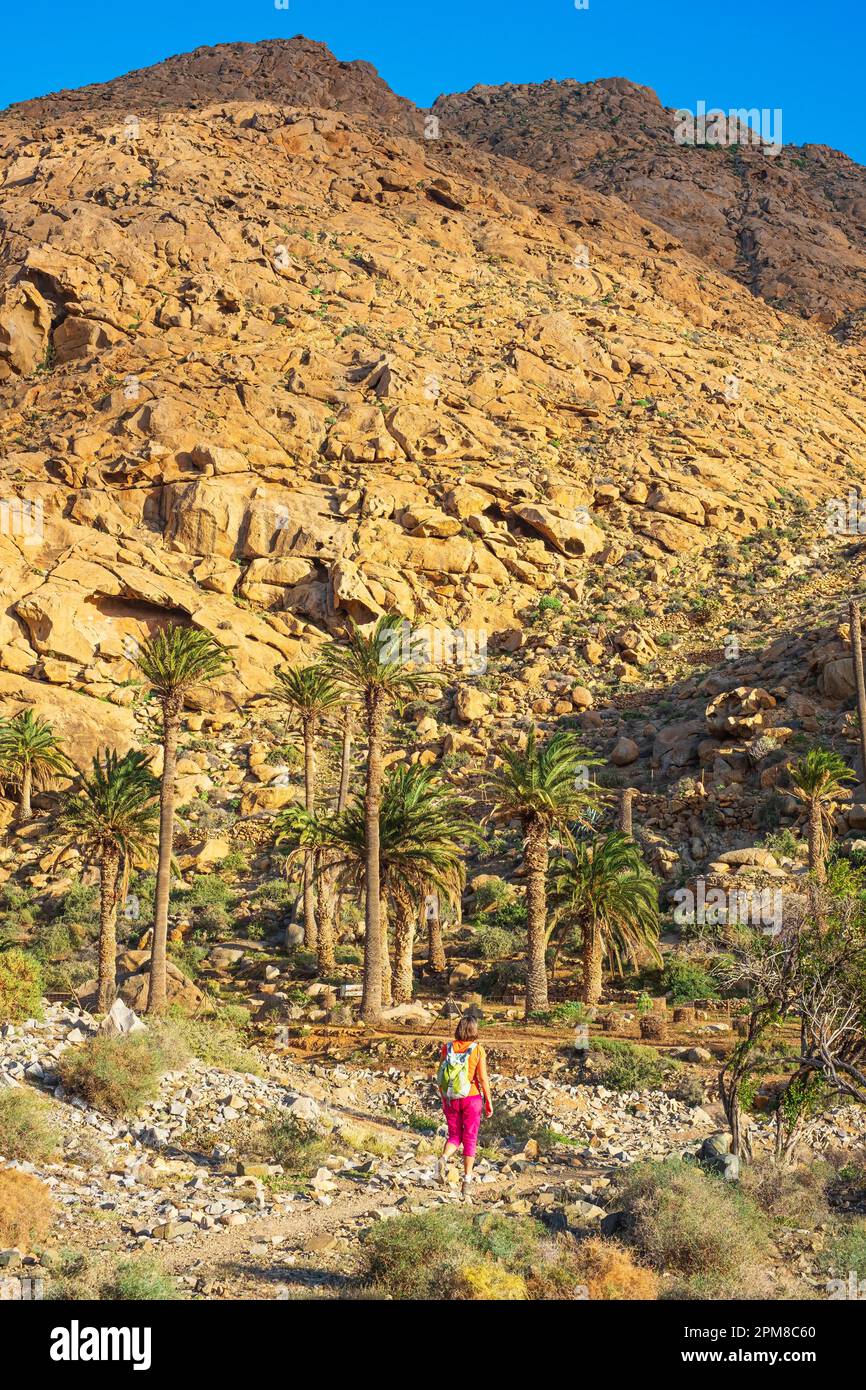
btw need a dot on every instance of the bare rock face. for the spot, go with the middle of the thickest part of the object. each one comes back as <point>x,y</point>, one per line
<point>276,352</point>
<point>732,203</point>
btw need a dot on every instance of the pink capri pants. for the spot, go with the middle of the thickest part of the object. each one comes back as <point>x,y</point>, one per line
<point>463,1116</point>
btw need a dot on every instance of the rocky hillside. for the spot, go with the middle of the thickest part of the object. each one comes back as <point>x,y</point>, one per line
<point>269,356</point>
<point>791,226</point>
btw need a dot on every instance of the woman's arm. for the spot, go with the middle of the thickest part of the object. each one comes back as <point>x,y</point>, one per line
<point>484,1082</point>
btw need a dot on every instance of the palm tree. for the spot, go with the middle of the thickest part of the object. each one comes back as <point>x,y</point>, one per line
<point>606,890</point>
<point>378,669</point>
<point>546,787</point>
<point>424,833</point>
<point>435,945</point>
<point>173,661</point>
<point>348,733</point>
<point>310,693</point>
<point>818,781</point>
<point>30,756</point>
<point>114,819</point>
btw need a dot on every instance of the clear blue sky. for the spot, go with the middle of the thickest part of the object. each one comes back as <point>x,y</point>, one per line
<point>806,58</point>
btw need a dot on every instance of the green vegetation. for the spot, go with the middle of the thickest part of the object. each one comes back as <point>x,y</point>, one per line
<point>27,1131</point>
<point>20,986</point>
<point>119,1075</point>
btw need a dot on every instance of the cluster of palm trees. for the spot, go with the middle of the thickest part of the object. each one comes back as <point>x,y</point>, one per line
<point>114,816</point>
<point>401,843</point>
<point>407,838</point>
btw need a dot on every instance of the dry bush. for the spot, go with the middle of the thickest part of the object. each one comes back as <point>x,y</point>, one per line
<point>26,1209</point>
<point>26,1127</point>
<point>116,1075</point>
<point>486,1282</point>
<point>792,1196</point>
<point>691,1224</point>
<point>610,1272</point>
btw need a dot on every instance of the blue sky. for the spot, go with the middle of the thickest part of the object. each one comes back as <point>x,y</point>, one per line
<point>802,57</point>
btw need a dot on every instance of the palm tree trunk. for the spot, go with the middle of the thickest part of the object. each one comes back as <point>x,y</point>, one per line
<point>404,941</point>
<point>371,999</point>
<point>816,843</point>
<point>535,859</point>
<point>327,919</point>
<point>386,956</point>
<point>24,808</point>
<point>626,799</point>
<point>345,767</point>
<point>108,897</point>
<point>817,864</point>
<point>157,991</point>
<point>435,945</point>
<point>592,957</point>
<point>856,623</point>
<point>310,803</point>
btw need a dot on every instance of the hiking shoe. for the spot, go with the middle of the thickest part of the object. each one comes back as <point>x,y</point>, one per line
<point>441,1171</point>
<point>466,1190</point>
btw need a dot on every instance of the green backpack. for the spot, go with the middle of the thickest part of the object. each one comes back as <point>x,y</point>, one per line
<point>453,1073</point>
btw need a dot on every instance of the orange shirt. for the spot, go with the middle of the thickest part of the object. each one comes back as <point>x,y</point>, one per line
<point>474,1061</point>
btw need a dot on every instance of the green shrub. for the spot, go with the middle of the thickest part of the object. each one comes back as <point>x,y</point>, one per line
<point>119,1075</point>
<point>297,1146</point>
<point>420,1257</point>
<point>348,955</point>
<point>188,957</point>
<point>494,893</point>
<point>205,890</point>
<point>687,980</point>
<point>80,905</point>
<point>139,1280</point>
<point>510,917</point>
<point>274,892</point>
<point>450,1254</point>
<point>690,1223</point>
<point>625,1066</point>
<point>235,862</point>
<point>18,913</point>
<point>495,942</point>
<point>13,898</point>
<point>79,1275</point>
<point>567,1014</point>
<point>215,1040</point>
<point>20,986</point>
<point>846,1249</point>
<point>26,1127</point>
<point>142,887</point>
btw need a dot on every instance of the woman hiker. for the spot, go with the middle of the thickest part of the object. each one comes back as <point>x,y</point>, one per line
<point>464,1088</point>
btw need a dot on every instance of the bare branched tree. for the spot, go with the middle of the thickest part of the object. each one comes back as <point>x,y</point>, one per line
<point>807,974</point>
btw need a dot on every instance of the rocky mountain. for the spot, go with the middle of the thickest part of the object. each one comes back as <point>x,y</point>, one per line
<point>791,226</point>
<point>274,350</point>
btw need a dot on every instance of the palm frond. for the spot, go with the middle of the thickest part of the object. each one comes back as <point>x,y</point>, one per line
<point>177,658</point>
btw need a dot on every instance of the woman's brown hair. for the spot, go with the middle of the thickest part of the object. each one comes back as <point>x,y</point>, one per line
<point>467,1029</point>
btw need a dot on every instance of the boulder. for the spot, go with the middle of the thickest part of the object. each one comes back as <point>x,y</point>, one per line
<point>120,1021</point>
<point>624,752</point>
